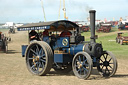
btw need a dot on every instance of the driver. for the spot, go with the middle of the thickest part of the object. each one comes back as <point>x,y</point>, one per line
<point>45,33</point>
<point>33,35</point>
<point>65,33</point>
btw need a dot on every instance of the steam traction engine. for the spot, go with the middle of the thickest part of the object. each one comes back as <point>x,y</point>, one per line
<point>121,39</point>
<point>104,27</point>
<point>67,53</point>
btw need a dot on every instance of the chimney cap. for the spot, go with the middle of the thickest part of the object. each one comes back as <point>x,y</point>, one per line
<point>92,11</point>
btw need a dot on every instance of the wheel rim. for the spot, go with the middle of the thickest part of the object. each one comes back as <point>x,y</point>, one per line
<point>107,65</point>
<point>82,66</point>
<point>121,42</point>
<point>6,48</point>
<point>36,58</point>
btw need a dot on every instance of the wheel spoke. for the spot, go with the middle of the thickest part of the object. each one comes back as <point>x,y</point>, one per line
<point>43,65</point>
<point>33,66</point>
<point>42,55</point>
<point>40,51</point>
<point>79,71</point>
<point>33,51</point>
<point>104,57</point>
<point>40,64</point>
<point>83,58</point>
<point>101,60</point>
<point>102,67</point>
<point>107,70</point>
<point>84,63</point>
<point>79,59</point>
<point>37,67</point>
<point>85,69</point>
<point>110,59</point>
<point>111,63</point>
<point>43,60</point>
<point>84,72</point>
<point>76,66</point>
<point>34,55</point>
<point>110,67</point>
<point>37,48</point>
<point>100,63</point>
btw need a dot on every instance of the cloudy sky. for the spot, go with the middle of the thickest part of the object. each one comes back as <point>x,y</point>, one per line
<point>31,10</point>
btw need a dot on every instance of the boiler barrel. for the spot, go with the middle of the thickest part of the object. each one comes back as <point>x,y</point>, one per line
<point>76,48</point>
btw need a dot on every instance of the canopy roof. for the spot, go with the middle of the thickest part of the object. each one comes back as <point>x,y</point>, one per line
<point>53,25</point>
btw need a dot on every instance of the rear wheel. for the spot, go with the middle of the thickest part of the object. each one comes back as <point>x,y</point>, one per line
<point>116,40</point>
<point>39,58</point>
<point>107,64</point>
<point>5,47</point>
<point>82,65</point>
<point>104,30</point>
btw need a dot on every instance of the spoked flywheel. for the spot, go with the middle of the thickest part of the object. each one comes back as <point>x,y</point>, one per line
<point>107,64</point>
<point>82,65</point>
<point>39,58</point>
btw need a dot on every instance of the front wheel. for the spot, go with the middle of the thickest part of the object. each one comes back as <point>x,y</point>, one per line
<point>107,64</point>
<point>82,65</point>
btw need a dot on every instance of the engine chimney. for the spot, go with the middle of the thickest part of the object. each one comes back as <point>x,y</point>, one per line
<point>92,25</point>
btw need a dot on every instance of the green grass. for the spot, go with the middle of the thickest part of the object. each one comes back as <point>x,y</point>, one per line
<point>4,31</point>
<point>109,43</point>
<point>117,49</point>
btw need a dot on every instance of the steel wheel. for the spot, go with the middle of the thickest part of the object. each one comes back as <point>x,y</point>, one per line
<point>116,40</point>
<point>107,64</point>
<point>39,58</point>
<point>121,42</point>
<point>104,30</point>
<point>82,65</point>
<point>5,47</point>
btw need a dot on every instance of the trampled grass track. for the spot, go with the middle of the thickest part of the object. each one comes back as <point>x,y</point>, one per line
<point>13,70</point>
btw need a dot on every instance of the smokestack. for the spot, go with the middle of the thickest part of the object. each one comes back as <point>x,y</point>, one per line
<point>92,25</point>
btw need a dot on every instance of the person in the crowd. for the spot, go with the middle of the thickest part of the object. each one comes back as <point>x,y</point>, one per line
<point>65,33</point>
<point>45,33</point>
<point>33,35</point>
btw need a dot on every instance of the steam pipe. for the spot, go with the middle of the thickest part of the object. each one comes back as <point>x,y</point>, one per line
<point>92,25</point>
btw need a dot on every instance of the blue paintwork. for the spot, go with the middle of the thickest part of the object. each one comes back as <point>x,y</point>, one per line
<point>24,49</point>
<point>62,58</point>
<point>94,59</point>
<point>60,41</point>
<point>74,49</point>
<point>46,39</point>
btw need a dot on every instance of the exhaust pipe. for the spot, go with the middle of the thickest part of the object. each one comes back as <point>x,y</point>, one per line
<point>92,25</point>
